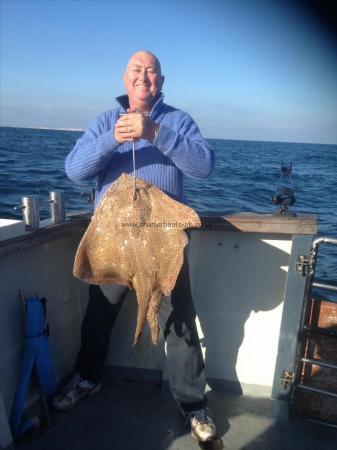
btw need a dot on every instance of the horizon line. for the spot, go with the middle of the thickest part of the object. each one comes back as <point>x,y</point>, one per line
<point>208,138</point>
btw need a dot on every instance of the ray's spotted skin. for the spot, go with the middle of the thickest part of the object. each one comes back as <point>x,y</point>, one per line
<point>138,243</point>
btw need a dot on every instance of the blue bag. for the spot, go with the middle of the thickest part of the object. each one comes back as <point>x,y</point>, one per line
<point>36,357</point>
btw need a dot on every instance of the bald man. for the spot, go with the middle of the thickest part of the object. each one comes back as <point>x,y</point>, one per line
<point>168,147</point>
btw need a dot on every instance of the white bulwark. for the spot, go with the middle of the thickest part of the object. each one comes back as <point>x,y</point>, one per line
<point>246,290</point>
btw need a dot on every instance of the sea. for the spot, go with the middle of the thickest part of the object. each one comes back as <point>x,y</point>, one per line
<point>245,178</point>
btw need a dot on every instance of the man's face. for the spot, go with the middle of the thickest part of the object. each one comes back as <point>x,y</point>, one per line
<point>142,79</point>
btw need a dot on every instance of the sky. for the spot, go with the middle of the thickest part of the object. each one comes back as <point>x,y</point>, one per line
<point>244,69</point>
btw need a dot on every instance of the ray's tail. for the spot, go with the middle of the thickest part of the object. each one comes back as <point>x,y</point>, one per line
<point>152,315</point>
<point>148,305</point>
<point>143,293</point>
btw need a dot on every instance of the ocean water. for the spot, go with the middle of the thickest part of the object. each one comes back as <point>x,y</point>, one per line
<point>245,178</point>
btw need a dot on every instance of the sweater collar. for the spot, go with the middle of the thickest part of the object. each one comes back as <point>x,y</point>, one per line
<point>123,101</point>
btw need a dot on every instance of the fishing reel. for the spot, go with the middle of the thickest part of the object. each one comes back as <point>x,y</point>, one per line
<point>284,194</point>
<point>89,194</point>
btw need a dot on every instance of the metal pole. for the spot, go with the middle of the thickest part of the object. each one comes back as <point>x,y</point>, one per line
<point>318,391</point>
<point>317,362</point>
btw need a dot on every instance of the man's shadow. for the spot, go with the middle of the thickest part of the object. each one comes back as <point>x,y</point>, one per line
<point>233,276</point>
<point>236,278</point>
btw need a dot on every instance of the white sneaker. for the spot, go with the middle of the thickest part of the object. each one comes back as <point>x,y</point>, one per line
<point>73,392</point>
<point>201,424</point>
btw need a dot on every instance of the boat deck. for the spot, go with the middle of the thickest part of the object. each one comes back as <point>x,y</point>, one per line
<point>139,416</point>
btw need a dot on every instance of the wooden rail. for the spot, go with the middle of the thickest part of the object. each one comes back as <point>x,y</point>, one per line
<point>245,222</point>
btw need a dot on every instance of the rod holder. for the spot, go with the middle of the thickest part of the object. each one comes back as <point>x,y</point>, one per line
<point>57,207</point>
<point>30,211</point>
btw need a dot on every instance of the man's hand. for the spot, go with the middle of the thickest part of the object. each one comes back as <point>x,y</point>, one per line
<point>133,126</point>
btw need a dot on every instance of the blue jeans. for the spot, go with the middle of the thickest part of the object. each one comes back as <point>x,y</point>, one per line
<point>177,320</point>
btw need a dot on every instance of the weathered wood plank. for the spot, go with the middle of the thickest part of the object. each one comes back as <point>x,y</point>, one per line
<point>260,223</point>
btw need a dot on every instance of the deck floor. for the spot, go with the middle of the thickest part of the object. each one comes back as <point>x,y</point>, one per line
<point>136,416</point>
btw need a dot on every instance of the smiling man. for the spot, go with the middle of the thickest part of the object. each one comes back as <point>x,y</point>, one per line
<point>168,146</point>
<point>143,82</point>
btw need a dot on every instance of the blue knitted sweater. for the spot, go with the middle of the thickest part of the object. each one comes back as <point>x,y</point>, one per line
<point>178,150</point>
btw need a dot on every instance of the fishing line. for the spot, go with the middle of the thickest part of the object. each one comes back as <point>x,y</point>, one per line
<point>134,168</point>
<point>134,160</point>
